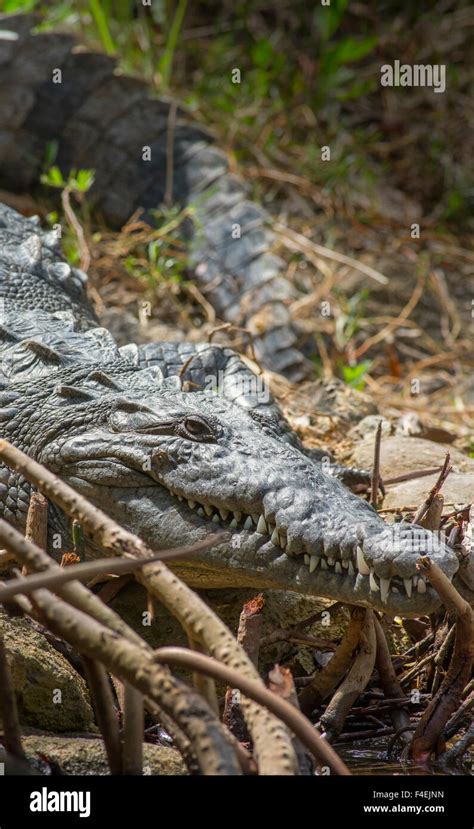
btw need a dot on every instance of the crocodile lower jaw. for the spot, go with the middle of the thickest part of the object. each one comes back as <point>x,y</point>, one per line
<point>247,558</point>
<point>353,570</point>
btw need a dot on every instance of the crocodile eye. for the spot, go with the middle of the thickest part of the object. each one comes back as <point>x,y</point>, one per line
<point>197,428</point>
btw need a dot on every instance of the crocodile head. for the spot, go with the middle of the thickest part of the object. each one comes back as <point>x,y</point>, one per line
<point>172,465</point>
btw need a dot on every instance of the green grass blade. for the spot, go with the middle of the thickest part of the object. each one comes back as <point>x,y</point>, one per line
<point>166,61</point>
<point>102,26</point>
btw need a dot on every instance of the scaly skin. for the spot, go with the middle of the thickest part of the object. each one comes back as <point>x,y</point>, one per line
<point>102,121</point>
<point>170,464</point>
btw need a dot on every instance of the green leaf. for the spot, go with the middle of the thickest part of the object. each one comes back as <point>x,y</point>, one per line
<point>10,6</point>
<point>102,26</point>
<point>166,61</point>
<point>354,375</point>
<point>84,180</point>
<point>329,18</point>
<point>262,53</point>
<point>345,51</point>
<point>53,178</point>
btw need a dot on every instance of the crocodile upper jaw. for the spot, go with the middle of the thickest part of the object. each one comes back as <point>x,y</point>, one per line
<point>246,558</point>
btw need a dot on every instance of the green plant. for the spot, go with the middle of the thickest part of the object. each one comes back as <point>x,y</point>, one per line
<point>349,319</point>
<point>165,63</point>
<point>100,19</point>
<point>78,181</point>
<point>355,375</point>
<point>335,77</point>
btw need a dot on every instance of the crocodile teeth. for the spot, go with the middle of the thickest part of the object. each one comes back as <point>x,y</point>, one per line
<point>313,563</point>
<point>201,512</point>
<point>362,565</point>
<point>408,586</point>
<point>255,518</point>
<point>351,571</point>
<point>345,563</point>
<point>215,518</point>
<point>223,513</point>
<point>324,565</point>
<point>180,498</point>
<point>237,516</point>
<point>191,504</point>
<point>262,526</point>
<point>307,559</point>
<point>421,586</point>
<point>395,590</point>
<point>331,561</point>
<point>248,523</point>
<point>384,589</point>
<point>337,567</point>
<point>373,584</point>
<point>233,523</point>
<point>275,538</point>
<point>208,510</point>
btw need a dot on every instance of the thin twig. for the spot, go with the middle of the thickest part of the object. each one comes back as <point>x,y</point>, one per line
<point>423,509</point>
<point>301,244</point>
<point>375,477</point>
<point>88,569</point>
<point>168,197</point>
<point>85,256</point>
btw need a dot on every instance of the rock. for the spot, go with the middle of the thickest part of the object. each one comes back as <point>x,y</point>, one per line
<point>329,397</point>
<point>367,427</point>
<point>86,755</point>
<point>406,454</point>
<point>40,675</point>
<point>457,489</point>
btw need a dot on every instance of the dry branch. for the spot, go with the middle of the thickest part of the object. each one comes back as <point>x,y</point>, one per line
<point>296,721</point>
<point>388,679</point>
<point>428,736</point>
<point>272,743</point>
<point>87,570</point>
<point>329,678</point>
<point>132,733</point>
<point>248,636</point>
<point>8,708</point>
<point>434,491</point>
<point>355,682</point>
<point>105,712</point>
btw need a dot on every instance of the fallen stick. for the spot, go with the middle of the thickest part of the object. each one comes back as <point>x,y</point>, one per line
<point>429,733</point>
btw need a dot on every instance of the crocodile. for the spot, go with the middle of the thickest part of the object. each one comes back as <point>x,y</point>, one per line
<point>170,459</point>
<point>145,152</point>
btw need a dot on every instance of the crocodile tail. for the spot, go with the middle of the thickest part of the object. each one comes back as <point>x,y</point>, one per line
<point>144,153</point>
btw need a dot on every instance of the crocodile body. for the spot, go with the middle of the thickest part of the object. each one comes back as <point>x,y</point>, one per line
<point>103,121</point>
<point>126,428</point>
